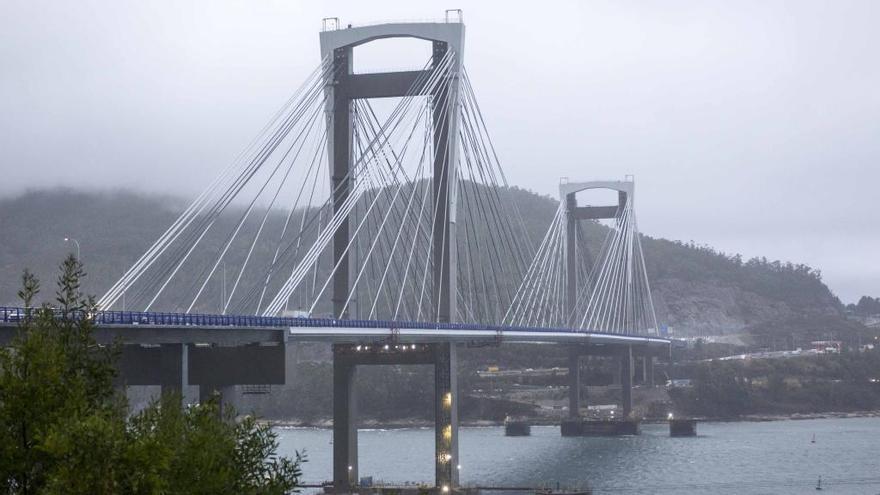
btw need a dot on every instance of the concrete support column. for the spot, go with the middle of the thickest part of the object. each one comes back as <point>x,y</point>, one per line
<point>445,416</point>
<point>174,368</point>
<point>574,383</point>
<point>345,446</point>
<point>648,364</point>
<point>615,371</point>
<point>626,382</point>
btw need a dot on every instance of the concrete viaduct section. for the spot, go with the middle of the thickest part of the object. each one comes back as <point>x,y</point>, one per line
<point>213,368</point>
<point>343,86</point>
<point>214,358</point>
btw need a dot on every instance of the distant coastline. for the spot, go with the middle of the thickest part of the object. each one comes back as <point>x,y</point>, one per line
<point>421,423</point>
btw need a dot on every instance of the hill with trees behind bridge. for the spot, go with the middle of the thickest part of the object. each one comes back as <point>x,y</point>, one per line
<point>697,290</point>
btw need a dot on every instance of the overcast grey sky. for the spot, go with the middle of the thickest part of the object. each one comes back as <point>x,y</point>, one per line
<point>751,126</point>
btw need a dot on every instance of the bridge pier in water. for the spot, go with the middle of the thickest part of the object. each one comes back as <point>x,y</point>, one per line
<point>346,359</point>
<point>624,372</point>
<point>623,368</point>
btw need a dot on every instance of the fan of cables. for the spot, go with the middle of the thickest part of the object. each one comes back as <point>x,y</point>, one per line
<point>613,293</point>
<point>258,238</point>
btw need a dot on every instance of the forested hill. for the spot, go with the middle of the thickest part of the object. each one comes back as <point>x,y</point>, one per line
<point>696,290</point>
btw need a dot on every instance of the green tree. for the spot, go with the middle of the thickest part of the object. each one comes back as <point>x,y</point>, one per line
<point>64,428</point>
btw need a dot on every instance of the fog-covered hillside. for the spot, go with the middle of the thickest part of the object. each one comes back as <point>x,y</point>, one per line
<point>696,290</point>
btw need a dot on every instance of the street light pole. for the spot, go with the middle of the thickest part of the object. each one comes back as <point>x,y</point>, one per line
<point>70,239</point>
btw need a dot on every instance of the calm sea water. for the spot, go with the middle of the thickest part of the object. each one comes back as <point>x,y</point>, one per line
<point>737,458</point>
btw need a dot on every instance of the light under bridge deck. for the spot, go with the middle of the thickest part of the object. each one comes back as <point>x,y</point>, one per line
<point>160,327</point>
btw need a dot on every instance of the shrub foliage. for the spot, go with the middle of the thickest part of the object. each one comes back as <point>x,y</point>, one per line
<point>64,428</point>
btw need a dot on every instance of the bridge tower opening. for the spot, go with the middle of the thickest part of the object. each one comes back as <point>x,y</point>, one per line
<point>343,86</point>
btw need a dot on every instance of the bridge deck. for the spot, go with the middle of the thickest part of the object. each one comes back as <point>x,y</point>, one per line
<point>161,327</point>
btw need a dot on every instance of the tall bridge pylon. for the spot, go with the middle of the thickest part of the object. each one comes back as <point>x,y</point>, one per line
<point>343,88</point>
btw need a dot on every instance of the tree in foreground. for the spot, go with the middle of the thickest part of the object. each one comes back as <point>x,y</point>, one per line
<point>65,429</point>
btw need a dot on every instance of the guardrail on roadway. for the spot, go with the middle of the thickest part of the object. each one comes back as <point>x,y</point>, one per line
<point>16,314</point>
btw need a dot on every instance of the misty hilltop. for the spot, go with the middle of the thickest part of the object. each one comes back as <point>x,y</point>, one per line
<point>696,290</point>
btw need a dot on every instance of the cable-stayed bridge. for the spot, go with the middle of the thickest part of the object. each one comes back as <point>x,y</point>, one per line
<point>373,212</point>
